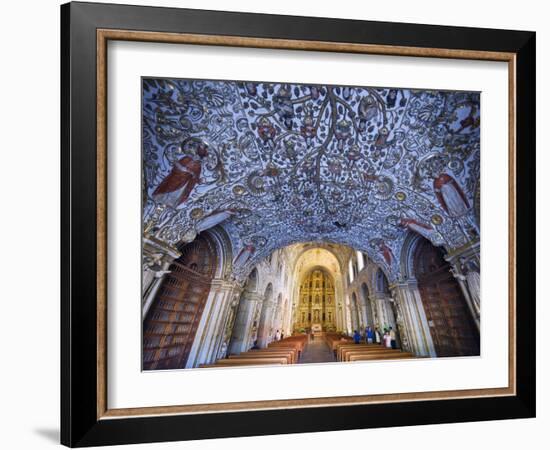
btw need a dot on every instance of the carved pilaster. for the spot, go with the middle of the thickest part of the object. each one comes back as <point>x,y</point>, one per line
<point>465,267</point>
<point>411,313</point>
<point>156,259</point>
<point>243,327</point>
<point>266,320</point>
<point>211,333</point>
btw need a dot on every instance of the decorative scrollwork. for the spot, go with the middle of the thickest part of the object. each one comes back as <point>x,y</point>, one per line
<point>279,163</point>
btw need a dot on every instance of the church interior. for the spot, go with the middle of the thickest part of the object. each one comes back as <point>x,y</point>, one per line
<point>292,224</point>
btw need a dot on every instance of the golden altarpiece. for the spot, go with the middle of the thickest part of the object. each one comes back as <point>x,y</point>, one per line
<point>316,310</point>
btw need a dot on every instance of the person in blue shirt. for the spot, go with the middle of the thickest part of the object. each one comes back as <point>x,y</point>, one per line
<point>370,335</point>
<point>356,337</point>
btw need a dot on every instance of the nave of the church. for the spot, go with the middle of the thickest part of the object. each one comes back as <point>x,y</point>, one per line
<point>306,303</point>
<point>283,222</point>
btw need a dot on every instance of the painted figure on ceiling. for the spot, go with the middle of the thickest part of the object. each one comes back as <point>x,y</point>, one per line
<point>266,130</point>
<point>367,110</point>
<point>451,197</point>
<point>244,255</point>
<point>214,219</point>
<point>386,252</point>
<point>342,133</point>
<point>308,129</point>
<point>179,183</point>
<point>283,105</point>
<point>391,98</point>
<point>423,229</point>
<point>382,138</point>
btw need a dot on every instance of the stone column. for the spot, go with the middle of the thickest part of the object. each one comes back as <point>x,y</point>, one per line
<point>340,323</point>
<point>412,322</point>
<point>465,264</point>
<point>266,318</point>
<point>244,322</point>
<point>363,314</point>
<point>223,346</point>
<point>253,332</point>
<point>348,322</point>
<point>211,332</point>
<point>273,322</point>
<point>156,259</point>
<point>383,313</point>
<point>278,317</point>
<point>287,324</point>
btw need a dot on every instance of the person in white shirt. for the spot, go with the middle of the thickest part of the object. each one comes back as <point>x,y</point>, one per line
<point>387,339</point>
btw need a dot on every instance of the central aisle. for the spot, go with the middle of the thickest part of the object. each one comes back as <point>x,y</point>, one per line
<point>316,351</point>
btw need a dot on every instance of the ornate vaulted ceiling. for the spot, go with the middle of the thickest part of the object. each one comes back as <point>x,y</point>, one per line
<point>279,163</point>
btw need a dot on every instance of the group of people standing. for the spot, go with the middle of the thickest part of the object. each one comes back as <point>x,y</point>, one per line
<point>374,336</point>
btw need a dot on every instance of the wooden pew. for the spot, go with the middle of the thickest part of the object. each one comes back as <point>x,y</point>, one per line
<point>342,348</point>
<point>368,351</point>
<point>258,354</point>
<point>284,351</point>
<point>296,342</point>
<point>333,339</point>
<point>380,356</point>
<point>288,350</point>
<point>230,362</point>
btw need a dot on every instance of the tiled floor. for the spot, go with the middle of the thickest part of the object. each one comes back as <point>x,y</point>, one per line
<point>316,351</point>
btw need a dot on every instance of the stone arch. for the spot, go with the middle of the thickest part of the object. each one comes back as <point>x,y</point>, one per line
<point>252,282</point>
<point>372,272</point>
<point>316,300</point>
<point>381,282</point>
<point>220,240</point>
<point>324,257</point>
<point>406,259</point>
<point>408,249</point>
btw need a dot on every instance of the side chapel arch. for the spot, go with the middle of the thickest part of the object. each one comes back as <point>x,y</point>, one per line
<point>171,323</point>
<point>450,322</point>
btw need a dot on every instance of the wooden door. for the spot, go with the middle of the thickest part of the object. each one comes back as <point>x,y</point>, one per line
<point>451,325</point>
<point>171,324</point>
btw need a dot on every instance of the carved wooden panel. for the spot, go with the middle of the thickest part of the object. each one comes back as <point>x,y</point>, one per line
<point>171,324</point>
<point>451,325</point>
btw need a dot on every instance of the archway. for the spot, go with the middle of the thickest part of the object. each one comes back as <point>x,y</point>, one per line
<point>171,323</point>
<point>330,258</point>
<point>382,282</point>
<point>452,327</point>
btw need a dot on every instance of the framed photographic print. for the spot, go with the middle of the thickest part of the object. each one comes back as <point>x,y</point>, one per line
<point>277,224</point>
